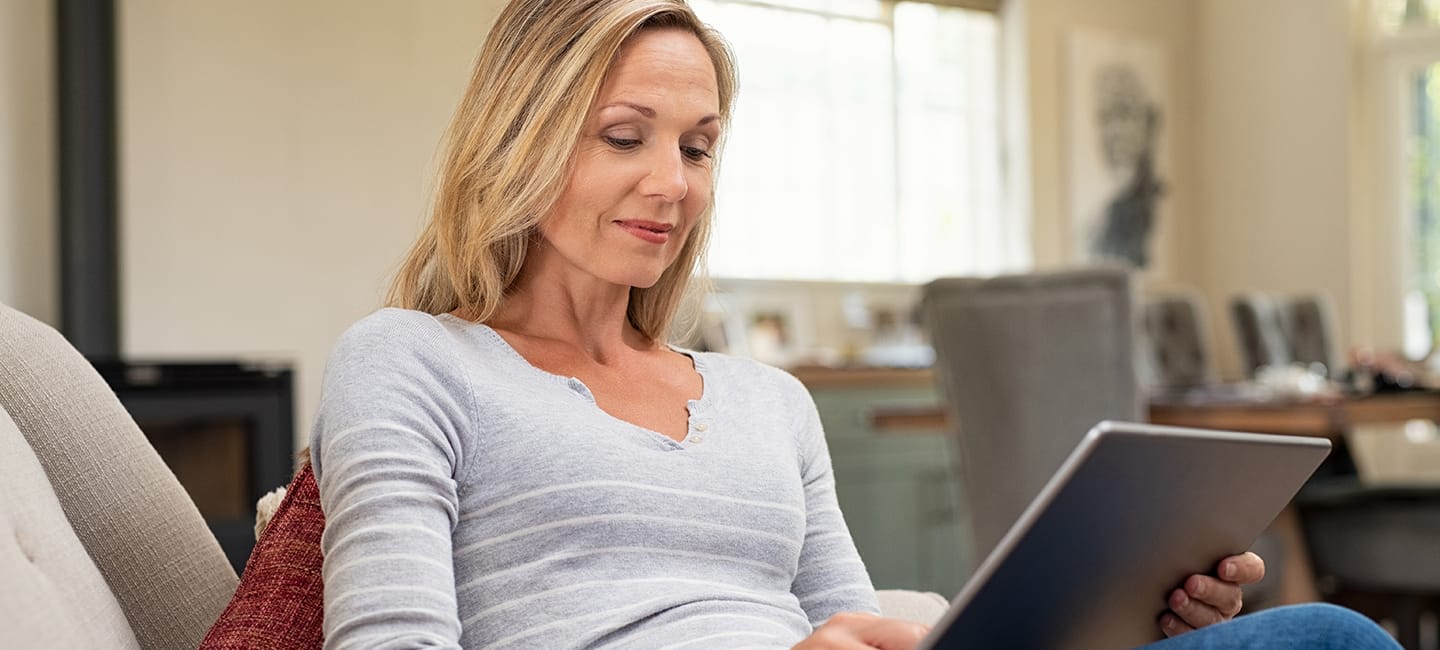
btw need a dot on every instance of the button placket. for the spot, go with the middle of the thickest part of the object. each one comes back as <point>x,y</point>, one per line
<point>696,431</point>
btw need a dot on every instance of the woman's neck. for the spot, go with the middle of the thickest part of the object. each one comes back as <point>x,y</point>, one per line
<point>583,312</point>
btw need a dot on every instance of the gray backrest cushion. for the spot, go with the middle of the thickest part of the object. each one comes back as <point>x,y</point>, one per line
<point>1178,349</point>
<point>1310,332</point>
<point>1260,330</point>
<point>135,520</point>
<point>52,594</point>
<point>925,607</point>
<point>1027,365</point>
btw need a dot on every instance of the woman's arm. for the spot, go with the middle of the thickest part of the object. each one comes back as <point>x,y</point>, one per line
<point>386,450</point>
<point>831,577</point>
<point>831,582</point>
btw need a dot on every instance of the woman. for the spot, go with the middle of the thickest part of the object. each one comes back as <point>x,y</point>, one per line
<point>514,458</point>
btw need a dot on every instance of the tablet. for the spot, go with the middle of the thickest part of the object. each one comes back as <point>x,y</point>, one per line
<point>1133,512</point>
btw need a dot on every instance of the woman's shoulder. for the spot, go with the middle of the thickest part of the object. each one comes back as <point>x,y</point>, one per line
<point>746,371</point>
<point>392,339</point>
<point>392,323</point>
<point>391,334</point>
<point>404,331</point>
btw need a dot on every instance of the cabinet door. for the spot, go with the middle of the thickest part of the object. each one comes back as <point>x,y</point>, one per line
<point>944,544</point>
<point>899,492</point>
<point>901,505</point>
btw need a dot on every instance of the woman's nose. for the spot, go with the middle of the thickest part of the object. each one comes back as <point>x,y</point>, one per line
<point>666,179</point>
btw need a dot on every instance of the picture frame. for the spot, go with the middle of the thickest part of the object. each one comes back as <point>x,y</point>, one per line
<point>1117,115</point>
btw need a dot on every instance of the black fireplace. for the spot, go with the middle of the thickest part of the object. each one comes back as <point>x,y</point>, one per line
<point>225,429</point>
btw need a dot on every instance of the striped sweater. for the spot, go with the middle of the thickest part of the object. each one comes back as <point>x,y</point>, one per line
<point>474,500</point>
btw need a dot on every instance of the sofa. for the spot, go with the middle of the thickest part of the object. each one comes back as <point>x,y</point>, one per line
<point>100,546</point>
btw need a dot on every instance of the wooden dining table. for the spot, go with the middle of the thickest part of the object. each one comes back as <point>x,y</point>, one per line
<point>1329,416</point>
<point>1326,416</point>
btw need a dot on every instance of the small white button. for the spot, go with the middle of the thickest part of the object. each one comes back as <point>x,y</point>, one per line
<point>701,427</point>
<point>695,440</point>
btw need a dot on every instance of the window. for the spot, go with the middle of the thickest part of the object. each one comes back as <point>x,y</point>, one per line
<point>865,144</point>
<point>1395,15</point>
<point>1423,144</point>
<point>1408,42</point>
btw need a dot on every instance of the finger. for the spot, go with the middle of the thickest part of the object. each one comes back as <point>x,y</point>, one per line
<point>893,634</point>
<point>836,639</point>
<point>1225,597</point>
<point>1171,625</point>
<point>855,630</point>
<point>1245,569</point>
<point>1195,613</point>
<point>850,621</point>
<point>841,632</point>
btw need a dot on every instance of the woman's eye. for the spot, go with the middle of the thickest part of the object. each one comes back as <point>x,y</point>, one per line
<point>695,153</point>
<point>621,143</point>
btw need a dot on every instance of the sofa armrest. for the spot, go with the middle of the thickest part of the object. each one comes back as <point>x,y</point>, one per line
<point>918,606</point>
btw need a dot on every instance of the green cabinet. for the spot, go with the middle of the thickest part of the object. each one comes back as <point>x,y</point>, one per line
<point>899,491</point>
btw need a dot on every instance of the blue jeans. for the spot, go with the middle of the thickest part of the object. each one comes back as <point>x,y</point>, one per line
<point>1313,627</point>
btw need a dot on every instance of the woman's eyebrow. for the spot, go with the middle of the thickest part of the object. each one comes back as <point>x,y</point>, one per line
<point>650,112</point>
<point>638,108</point>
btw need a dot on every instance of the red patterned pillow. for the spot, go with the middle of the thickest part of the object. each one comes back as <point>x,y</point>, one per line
<point>280,602</point>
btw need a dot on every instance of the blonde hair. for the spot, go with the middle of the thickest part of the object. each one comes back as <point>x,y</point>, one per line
<point>508,154</point>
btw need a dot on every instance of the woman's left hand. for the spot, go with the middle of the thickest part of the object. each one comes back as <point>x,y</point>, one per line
<point>1207,600</point>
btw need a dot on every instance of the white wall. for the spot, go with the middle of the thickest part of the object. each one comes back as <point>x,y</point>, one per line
<point>1276,113</point>
<point>28,274</point>
<point>1264,114</point>
<point>276,161</point>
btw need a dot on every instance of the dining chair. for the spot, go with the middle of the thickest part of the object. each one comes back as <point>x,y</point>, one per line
<point>1310,332</point>
<point>1175,350</point>
<point>1027,365</point>
<point>1261,326</point>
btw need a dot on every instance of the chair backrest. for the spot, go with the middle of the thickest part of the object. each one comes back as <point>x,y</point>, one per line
<point>134,519</point>
<point>1310,332</point>
<point>1176,350</point>
<point>1028,364</point>
<point>1260,327</point>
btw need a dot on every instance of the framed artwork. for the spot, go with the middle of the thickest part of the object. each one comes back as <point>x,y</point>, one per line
<point>1118,156</point>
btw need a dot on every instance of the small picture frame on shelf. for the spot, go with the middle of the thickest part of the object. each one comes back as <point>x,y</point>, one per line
<point>771,327</point>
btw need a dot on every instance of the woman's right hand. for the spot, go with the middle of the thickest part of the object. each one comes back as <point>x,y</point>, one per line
<point>856,631</point>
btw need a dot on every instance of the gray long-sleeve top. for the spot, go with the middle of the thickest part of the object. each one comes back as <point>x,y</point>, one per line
<point>474,500</point>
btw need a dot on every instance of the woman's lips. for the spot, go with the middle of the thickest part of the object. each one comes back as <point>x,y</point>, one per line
<point>653,232</point>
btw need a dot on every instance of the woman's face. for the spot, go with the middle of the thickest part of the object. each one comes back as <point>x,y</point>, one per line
<point>641,174</point>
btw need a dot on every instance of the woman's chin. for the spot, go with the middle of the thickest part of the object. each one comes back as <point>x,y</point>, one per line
<point>644,282</point>
<point>639,278</point>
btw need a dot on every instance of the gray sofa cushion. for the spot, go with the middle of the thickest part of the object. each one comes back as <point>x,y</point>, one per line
<point>135,520</point>
<point>53,596</point>
<point>918,606</point>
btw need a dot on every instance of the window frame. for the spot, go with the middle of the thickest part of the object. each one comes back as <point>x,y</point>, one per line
<point>1384,247</point>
